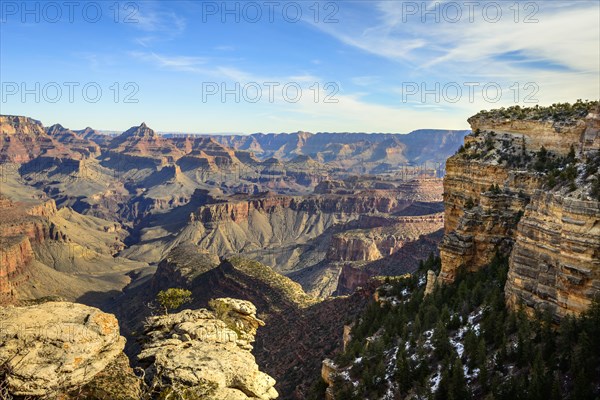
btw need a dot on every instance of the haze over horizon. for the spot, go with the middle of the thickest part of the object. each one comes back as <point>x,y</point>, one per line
<point>359,66</point>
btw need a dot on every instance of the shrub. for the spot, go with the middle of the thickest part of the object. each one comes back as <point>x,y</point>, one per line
<point>173,298</point>
<point>469,203</point>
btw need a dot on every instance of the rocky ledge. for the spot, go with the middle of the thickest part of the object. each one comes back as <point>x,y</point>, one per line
<point>52,348</point>
<point>206,353</point>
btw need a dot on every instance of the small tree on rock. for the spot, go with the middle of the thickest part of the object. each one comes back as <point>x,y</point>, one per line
<point>173,298</point>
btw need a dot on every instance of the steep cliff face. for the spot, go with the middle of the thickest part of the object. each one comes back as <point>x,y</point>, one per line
<point>480,231</point>
<point>555,262</point>
<point>22,224</point>
<point>523,185</point>
<point>15,255</point>
<point>373,241</point>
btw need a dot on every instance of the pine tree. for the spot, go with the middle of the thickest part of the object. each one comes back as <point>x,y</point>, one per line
<point>440,341</point>
<point>470,344</point>
<point>539,385</point>
<point>481,353</point>
<point>571,156</point>
<point>403,371</point>
<point>458,385</point>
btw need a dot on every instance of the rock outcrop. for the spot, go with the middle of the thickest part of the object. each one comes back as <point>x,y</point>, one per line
<point>522,186</point>
<point>55,347</point>
<point>206,354</point>
<point>328,371</point>
<point>431,282</point>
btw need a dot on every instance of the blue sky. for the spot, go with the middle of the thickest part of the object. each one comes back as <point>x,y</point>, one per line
<point>357,66</point>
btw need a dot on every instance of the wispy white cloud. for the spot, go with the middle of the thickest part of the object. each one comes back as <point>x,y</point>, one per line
<point>559,54</point>
<point>564,42</point>
<point>96,61</point>
<point>157,24</point>
<point>367,80</point>
<point>151,20</point>
<point>176,63</point>
<point>225,48</point>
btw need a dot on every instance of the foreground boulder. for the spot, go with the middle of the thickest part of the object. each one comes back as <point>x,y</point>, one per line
<point>206,354</point>
<point>55,347</point>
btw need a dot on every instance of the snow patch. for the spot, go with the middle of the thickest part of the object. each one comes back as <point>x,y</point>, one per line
<point>434,381</point>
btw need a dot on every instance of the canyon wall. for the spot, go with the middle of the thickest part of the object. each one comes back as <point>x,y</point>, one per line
<point>22,224</point>
<point>498,199</point>
<point>556,257</point>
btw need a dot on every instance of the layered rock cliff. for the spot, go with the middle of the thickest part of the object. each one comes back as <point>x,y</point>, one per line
<point>555,262</point>
<point>23,139</point>
<point>524,184</point>
<point>374,242</point>
<point>22,224</point>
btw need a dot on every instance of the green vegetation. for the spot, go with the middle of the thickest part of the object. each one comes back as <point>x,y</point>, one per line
<point>464,342</point>
<point>204,391</point>
<point>559,112</point>
<point>285,291</point>
<point>558,170</point>
<point>592,165</point>
<point>495,189</point>
<point>469,203</point>
<point>595,193</point>
<point>173,298</point>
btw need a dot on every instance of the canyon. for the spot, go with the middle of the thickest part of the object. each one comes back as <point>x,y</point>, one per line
<point>297,228</point>
<point>283,239</point>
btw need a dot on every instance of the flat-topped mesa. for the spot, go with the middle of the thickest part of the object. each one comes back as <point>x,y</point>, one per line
<point>373,243</point>
<point>243,207</point>
<point>524,174</point>
<point>356,152</point>
<point>15,125</point>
